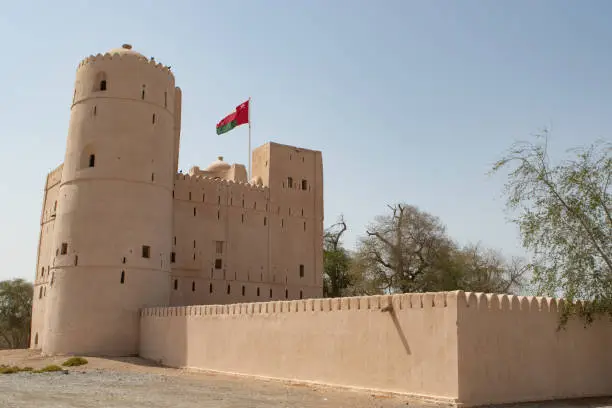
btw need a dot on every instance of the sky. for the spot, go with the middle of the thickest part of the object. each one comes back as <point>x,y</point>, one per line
<point>409,101</point>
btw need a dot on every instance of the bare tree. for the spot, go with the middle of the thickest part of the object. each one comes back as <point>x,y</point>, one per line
<point>336,261</point>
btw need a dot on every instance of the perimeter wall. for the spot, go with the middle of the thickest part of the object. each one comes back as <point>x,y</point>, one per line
<point>454,347</point>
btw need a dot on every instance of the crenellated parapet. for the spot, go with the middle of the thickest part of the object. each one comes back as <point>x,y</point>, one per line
<point>108,56</point>
<point>198,181</point>
<point>489,302</point>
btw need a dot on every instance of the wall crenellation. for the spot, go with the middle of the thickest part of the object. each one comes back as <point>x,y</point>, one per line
<point>92,59</point>
<point>196,179</point>
<point>501,302</point>
<point>376,302</point>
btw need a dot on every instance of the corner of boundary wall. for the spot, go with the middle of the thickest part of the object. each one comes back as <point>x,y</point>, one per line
<point>376,302</point>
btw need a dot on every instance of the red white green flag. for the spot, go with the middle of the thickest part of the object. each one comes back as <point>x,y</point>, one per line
<point>239,117</point>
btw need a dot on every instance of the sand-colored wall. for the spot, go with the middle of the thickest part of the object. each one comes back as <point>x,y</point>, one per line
<point>510,351</point>
<point>348,342</point>
<point>464,348</point>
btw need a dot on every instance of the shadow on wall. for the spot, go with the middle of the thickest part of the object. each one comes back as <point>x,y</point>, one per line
<point>398,326</point>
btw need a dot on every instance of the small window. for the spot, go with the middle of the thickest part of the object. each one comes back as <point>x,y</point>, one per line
<point>242,203</point>
<point>304,185</point>
<point>286,293</point>
<point>302,212</point>
<point>203,197</point>
<point>243,218</point>
<point>301,271</point>
<point>92,160</point>
<point>153,119</point>
<point>95,110</point>
<point>210,288</point>
<point>243,290</point>
<point>289,182</point>
<point>146,251</point>
<point>304,225</point>
<point>194,243</point>
<point>282,222</point>
<point>122,281</point>
<point>194,211</point>
<point>152,176</point>
<point>218,214</point>
<point>218,199</point>
<point>265,221</point>
<point>218,263</point>
<point>219,247</point>
<point>270,293</point>
<point>76,260</point>
<point>64,249</point>
<point>229,289</point>
<point>194,256</point>
<point>257,291</point>
<point>301,295</point>
<point>142,94</point>
<point>176,284</point>
<point>103,85</point>
<point>173,257</point>
<point>36,339</point>
<point>165,99</point>
<point>174,240</point>
<point>190,195</point>
<point>40,292</point>
<point>193,286</point>
<point>172,193</point>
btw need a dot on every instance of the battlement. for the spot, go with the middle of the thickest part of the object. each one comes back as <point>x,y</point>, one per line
<point>54,176</point>
<point>199,180</point>
<point>489,302</point>
<point>107,56</point>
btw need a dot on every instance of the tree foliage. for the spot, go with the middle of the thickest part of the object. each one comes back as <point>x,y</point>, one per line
<point>565,219</point>
<point>336,261</point>
<point>15,312</point>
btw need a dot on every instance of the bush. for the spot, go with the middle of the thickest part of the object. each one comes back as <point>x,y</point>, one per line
<point>4,369</point>
<point>49,369</point>
<point>74,361</point>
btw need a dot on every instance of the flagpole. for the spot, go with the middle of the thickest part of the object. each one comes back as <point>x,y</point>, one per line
<point>250,170</point>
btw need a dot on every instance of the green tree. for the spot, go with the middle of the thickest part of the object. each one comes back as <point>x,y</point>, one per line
<point>336,261</point>
<point>15,312</point>
<point>565,219</point>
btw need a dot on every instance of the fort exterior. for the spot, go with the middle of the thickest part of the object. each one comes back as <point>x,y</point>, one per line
<point>217,270</point>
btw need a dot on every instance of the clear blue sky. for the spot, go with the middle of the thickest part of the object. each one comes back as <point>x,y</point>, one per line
<point>408,100</point>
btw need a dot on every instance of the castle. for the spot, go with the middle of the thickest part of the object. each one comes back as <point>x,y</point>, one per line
<point>215,270</point>
<point>122,229</point>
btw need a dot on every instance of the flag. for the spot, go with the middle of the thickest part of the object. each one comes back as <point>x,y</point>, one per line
<point>239,117</point>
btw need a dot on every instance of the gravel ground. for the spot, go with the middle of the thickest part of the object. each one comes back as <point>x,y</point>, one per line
<point>136,383</point>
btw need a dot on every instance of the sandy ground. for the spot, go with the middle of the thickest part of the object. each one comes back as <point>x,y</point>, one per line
<point>135,383</point>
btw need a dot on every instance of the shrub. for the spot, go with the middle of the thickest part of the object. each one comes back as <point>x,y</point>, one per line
<point>49,369</point>
<point>74,361</point>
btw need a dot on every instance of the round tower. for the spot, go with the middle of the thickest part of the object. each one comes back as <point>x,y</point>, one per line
<point>113,231</point>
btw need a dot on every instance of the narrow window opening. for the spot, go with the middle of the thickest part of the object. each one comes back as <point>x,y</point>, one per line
<point>231,201</point>
<point>146,251</point>
<point>76,260</point>
<point>64,249</point>
<point>193,286</point>
<point>142,94</point>
<point>103,85</point>
<point>122,280</point>
<point>301,295</point>
<point>174,240</point>
<point>304,185</point>
<point>289,182</point>
<point>243,218</point>
<point>36,339</point>
<point>243,290</point>
<point>218,214</point>
<point>152,176</point>
<point>190,195</point>
<point>172,257</point>
<point>210,288</point>
<point>153,120</point>
<point>242,203</point>
<point>203,197</point>
<point>270,293</point>
<point>229,289</point>
<point>302,160</point>
<point>218,263</point>
<point>40,292</point>
<point>165,99</point>
<point>172,193</point>
<point>123,260</point>
<point>218,199</point>
<point>194,256</point>
<point>282,222</point>
<point>176,284</point>
<point>92,160</point>
<point>301,271</point>
<point>258,292</point>
<point>302,212</point>
<point>304,225</point>
<point>95,110</point>
<point>286,293</point>
<point>265,221</point>
<point>42,271</point>
<point>194,243</point>
<point>194,211</point>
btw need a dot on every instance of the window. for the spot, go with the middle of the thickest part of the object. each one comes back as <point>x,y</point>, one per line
<point>304,185</point>
<point>194,256</point>
<point>103,85</point>
<point>270,293</point>
<point>242,203</point>
<point>257,291</point>
<point>146,251</point>
<point>190,195</point>
<point>122,281</point>
<point>64,249</point>
<point>92,160</point>
<point>55,206</point>
<point>76,260</point>
<point>36,339</point>
<point>193,286</point>
<point>301,295</point>
<point>165,99</point>
<point>301,271</point>
<point>194,211</point>
<point>243,290</point>
<point>289,182</point>
<point>243,218</point>
<point>176,284</point>
<point>286,293</point>
<point>304,225</point>
<point>219,247</point>
<point>218,199</point>
<point>203,197</point>
<point>174,240</point>
<point>218,214</point>
<point>218,263</point>
<point>302,212</point>
<point>194,243</point>
<point>40,293</point>
<point>142,94</point>
<point>152,176</point>
<point>173,257</point>
<point>229,289</point>
<point>172,193</point>
<point>210,288</point>
<point>265,221</point>
<point>153,119</point>
<point>95,110</point>
<point>282,222</point>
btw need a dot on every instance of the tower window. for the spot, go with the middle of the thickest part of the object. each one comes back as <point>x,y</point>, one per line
<point>203,197</point>
<point>153,120</point>
<point>304,225</point>
<point>174,240</point>
<point>257,291</point>
<point>243,290</point>
<point>242,203</point>
<point>146,251</point>
<point>176,284</point>
<point>103,85</point>
<point>265,221</point>
<point>194,211</point>
<point>193,286</point>
<point>76,260</point>
<point>301,271</point>
<point>165,99</point>
<point>122,277</point>
<point>289,182</point>
<point>243,218</point>
<point>173,257</point>
<point>301,295</point>
<point>40,292</point>
<point>152,176</point>
<point>210,288</point>
<point>218,199</point>
<point>282,222</point>
<point>55,206</point>
<point>190,195</point>
<point>92,160</point>
<point>229,289</point>
<point>270,293</point>
<point>194,243</point>
<point>95,110</point>
<point>142,94</point>
<point>218,215</point>
<point>123,260</point>
<point>286,293</point>
<point>64,249</point>
<point>304,185</point>
<point>218,263</point>
<point>36,339</point>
